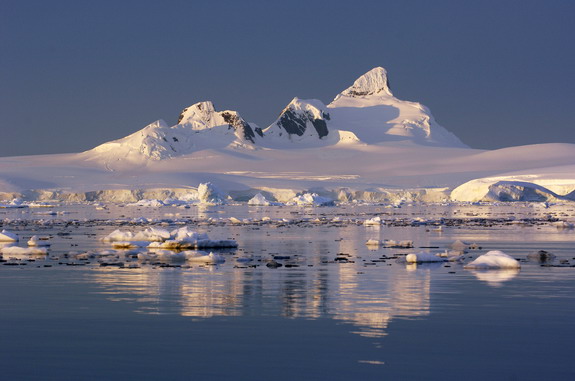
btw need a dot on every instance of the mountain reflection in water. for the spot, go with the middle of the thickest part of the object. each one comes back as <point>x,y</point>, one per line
<point>368,298</point>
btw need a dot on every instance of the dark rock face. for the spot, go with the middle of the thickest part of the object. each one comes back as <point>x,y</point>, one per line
<point>182,115</point>
<point>292,123</point>
<point>320,126</point>
<point>296,123</point>
<point>241,126</point>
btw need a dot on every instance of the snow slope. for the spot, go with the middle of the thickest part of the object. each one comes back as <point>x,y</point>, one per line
<point>365,112</point>
<point>366,145</point>
<point>199,126</point>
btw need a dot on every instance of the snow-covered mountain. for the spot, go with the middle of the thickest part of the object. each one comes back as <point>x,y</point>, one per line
<point>369,110</point>
<point>365,112</point>
<point>365,145</point>
<point>199,126</point>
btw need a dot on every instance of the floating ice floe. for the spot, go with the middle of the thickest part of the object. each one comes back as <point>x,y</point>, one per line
<point>178,239</point>
<point>375,221</point>
<point>15,203</point>
<point>208,193</point>
<point>203,257</point>
<point>16,250</point>
<point>459,245</point>
<point>129,244</point>
<point>423,257</point>
<point>258,200</point>
<point>149,234</point>
<point>494,259</point>
<point>162,255</point>
<point>148,203</point>
<point>389,243</point>
<point>311,199</point>
<point>8,236</point>
<point>36,241</point>
<point>451,255</point>
<point>564,225</point>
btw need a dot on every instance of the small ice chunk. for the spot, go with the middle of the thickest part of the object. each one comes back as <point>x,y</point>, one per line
<point>375,221</point>
<point>208,193</point>
<point>234,220</point>
<point>152,234</point>
<point>8,236</point>
<point>564,225</point>
<point>423,257</point>
<point>494,259</point>
<point>148,203</point>
<point>16,250</point>
<point>35,241</point>
<point>201,256</point>
<point>311,199</point>
<point>119,235</point>
<point>459,245</point>
<point>258,200</point>
<point>170,256</point>
<point>129,244</point>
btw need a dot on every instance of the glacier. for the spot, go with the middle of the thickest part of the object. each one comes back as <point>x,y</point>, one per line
<point>365,145</point>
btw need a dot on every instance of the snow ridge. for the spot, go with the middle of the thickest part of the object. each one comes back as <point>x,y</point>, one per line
<point>364,113</point>
<point>300,119</point>
<point>374,82</point>
<point>199,126</point>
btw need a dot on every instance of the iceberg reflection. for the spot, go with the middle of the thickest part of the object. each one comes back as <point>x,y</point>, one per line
<point>496,278</point>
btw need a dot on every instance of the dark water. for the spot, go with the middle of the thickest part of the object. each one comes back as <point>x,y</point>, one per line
<point>367,318</point>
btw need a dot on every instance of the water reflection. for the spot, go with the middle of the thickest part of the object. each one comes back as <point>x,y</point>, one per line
<point>496,278</point>
<point>368,298</point>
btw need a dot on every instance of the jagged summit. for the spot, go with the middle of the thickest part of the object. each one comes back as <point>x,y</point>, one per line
<point>369,110</point>
<point>365,113</point>
<point>299,120</point>
<point>199,126</point>
<point>374,82</point>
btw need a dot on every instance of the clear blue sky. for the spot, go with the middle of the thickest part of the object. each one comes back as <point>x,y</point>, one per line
<point>74,74</point>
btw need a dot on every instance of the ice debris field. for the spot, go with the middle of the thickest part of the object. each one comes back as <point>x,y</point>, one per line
<point>174,240</point>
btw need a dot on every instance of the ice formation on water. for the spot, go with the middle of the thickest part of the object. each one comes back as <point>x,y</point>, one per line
<point>16,250</point>
<point>208,193</point>
<point>36,241</point>
<point>158,238</point>
<point>494,259</point>
<point>375,221</point>
<point>311,199</point>
<point>8,236</point>
<point>260,200</point>
<point>148,203</point>
<point>390,243</point>
<point>195,256</point>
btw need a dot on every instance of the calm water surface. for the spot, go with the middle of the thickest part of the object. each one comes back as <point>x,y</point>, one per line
<point>367,318</point>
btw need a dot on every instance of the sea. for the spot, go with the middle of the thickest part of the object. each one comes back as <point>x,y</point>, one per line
<point>302,297</point>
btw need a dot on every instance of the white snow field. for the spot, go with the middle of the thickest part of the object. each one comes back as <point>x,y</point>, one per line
<point>365,145</point>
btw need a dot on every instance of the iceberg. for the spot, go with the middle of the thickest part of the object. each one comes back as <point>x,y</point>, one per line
<point>8,236</point>
<point>494,259</point>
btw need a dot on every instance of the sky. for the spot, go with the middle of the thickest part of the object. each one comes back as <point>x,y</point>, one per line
<point>75,74</point>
